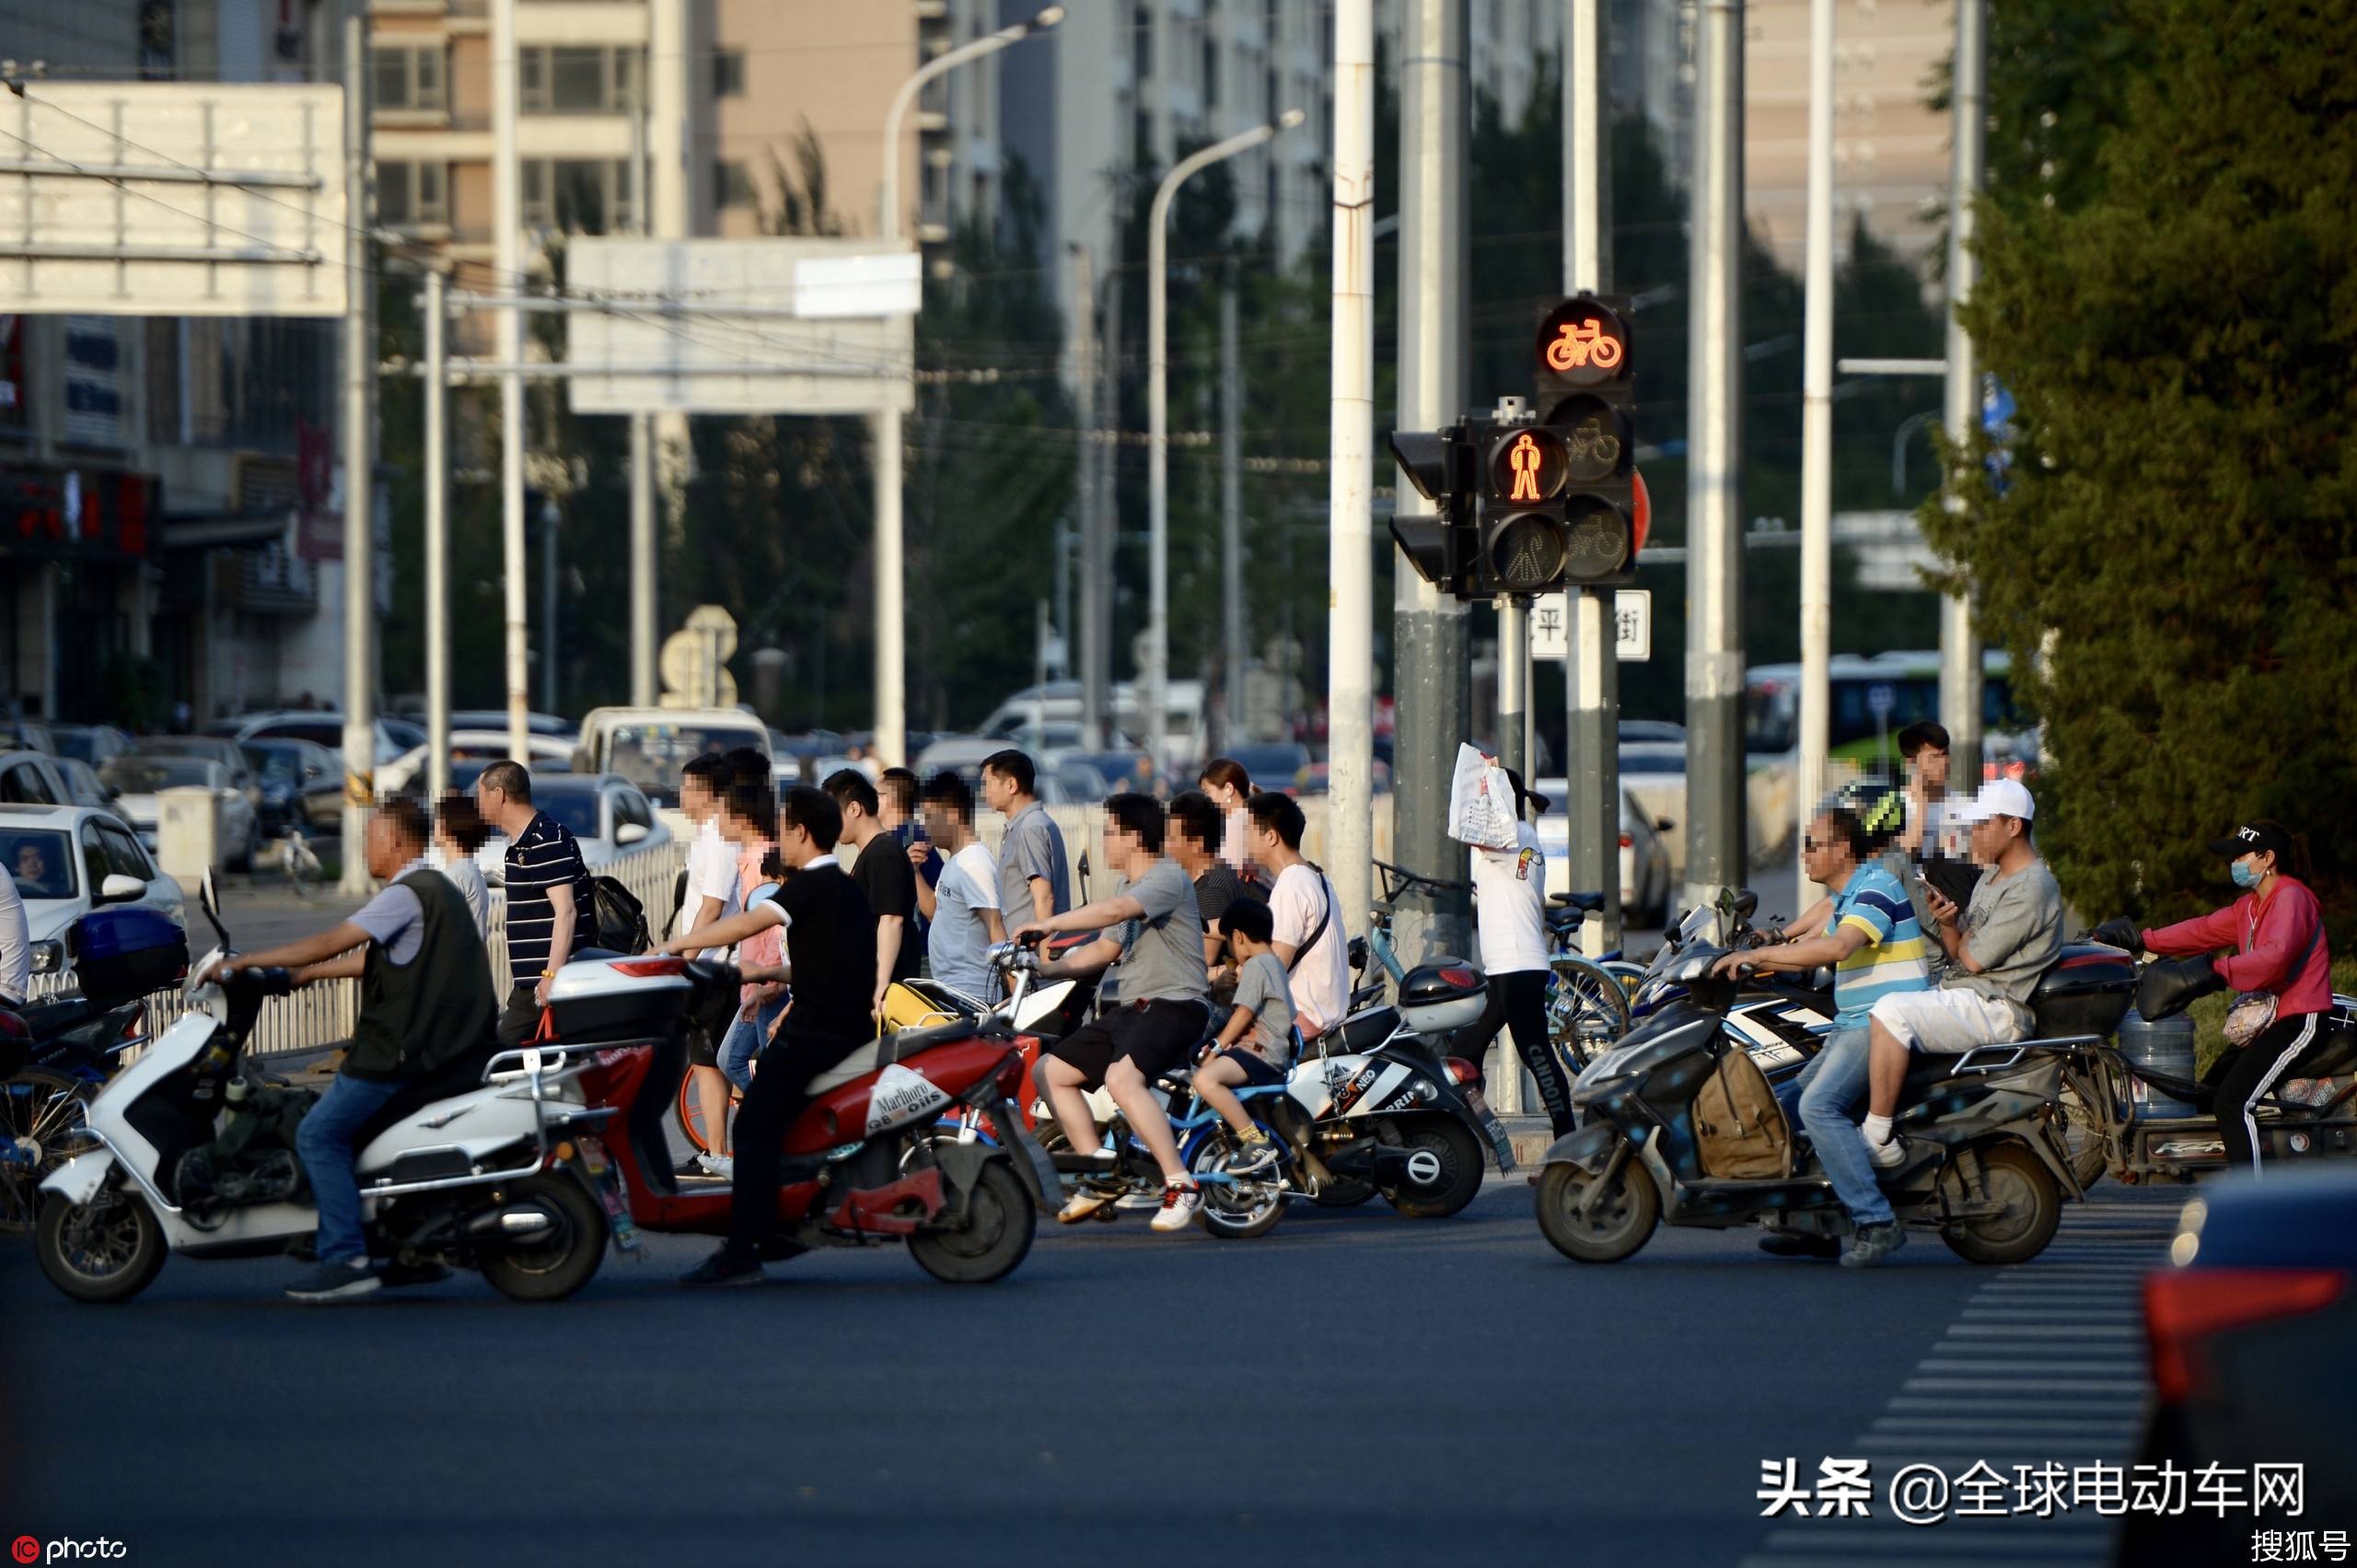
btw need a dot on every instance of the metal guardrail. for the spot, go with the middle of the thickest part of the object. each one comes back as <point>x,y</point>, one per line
<point>318,1016</point>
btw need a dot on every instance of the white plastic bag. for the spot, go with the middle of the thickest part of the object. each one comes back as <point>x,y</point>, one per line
<point>1480,802</point>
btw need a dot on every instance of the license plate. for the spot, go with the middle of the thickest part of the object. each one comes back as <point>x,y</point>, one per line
<point>1480,1106</point>
<point>608,1181</point>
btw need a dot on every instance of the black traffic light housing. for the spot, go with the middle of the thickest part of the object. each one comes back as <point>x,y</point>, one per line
<point>1435,462</point>
<point>1586,390</point>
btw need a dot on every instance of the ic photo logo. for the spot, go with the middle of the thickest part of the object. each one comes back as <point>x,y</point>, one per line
<point>29,1549</point>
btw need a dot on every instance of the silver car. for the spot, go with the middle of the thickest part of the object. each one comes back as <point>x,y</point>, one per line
<point>140,778</point>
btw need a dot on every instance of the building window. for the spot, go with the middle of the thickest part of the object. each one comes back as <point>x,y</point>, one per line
<point>1210,74</point>
<point>409,78</point>
<point>569,78</point>
<point>1141,44</point>
<point>412,193</point>
<point>732,184</point>
<point>728,73</point>
<point>578,195</point>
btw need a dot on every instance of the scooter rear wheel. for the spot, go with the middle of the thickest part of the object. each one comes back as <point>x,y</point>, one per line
<point>563,1262</point>
<point>1621,1222</point>
<point>2033,1208</point>
<point>996,1238</point>
<point>103,1251</point>
<point>1459,1182</point>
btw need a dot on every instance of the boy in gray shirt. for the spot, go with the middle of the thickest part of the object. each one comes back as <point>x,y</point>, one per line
<point>1256,1046</point>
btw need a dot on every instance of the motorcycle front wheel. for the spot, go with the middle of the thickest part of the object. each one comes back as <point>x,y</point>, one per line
<point>994,1239</point>
<point>1619,1224</point>
<point>103,1251</point>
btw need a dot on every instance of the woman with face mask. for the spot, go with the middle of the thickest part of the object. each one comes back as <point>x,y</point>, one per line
<point>2276,932</point>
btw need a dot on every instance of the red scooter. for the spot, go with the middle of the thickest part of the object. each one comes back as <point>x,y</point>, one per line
<point>915,1137</point>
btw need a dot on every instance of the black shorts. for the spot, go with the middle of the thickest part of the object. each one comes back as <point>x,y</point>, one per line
<point>702,1050</point>
<point>1159,1037</point>
<point>1258,1071</point>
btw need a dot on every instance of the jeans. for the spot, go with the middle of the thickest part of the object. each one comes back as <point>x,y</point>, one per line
<point>1832,1087</point>
<point>745,1040</point>
<point>324,1140</point>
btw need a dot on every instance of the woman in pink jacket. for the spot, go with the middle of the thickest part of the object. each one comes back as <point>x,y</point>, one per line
<point>2276,930</point>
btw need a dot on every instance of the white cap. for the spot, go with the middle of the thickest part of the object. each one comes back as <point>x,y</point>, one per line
<point>1998,797</point>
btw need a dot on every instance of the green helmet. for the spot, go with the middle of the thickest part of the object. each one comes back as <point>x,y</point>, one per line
<point>1879,805</point>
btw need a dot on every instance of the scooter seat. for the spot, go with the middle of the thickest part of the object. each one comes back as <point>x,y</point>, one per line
<point>890,1048</point>
<point>458,1077</point>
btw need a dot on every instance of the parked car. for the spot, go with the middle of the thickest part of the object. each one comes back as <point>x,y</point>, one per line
<point>68,860</point>
<point>32,778</point>
<point>2249,1332</point>
<point>84,787</point>
<point>1645,880</point>
<point>208,748</point>
<point>91,743</point>
<point>302,782</point>
<point>1273,764</point>
<point>648,746</point>
<point>550,754</point>
<point>496,718</point>
<point>27,734</point>
<point>140,778</point>
<point>317,726</point>
<point>608,815</point>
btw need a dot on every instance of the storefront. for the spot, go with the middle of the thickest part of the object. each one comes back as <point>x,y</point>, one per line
<point>76,547</point>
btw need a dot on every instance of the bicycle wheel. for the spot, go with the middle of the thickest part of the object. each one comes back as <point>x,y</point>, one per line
<point>690,1114</point>
<point>40,1122</point>
<point>1587,1009</point>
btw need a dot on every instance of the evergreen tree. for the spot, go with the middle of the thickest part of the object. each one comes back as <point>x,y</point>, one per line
<point>2174,516</point>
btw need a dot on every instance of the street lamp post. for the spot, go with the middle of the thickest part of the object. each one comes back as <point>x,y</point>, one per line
<point>892,585</point>
<point>1157,406</point>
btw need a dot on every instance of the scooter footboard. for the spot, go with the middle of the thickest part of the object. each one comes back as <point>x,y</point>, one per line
<point>1589,1147</point>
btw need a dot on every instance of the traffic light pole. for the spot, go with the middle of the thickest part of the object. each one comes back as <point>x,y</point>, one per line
<point>1349,638</point>
<point>1714,767</point>
<point>1817,441</point>
<point>1961,676</point>
<point>1431,662</point>
<point>1591,670</point>
<point>359,463</point>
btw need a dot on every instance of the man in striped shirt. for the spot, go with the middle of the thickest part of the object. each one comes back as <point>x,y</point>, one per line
<point>548,894</point>
<point>1868,931</point>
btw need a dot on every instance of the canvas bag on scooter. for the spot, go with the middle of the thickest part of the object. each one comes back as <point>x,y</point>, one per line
<point>1739,1130</point>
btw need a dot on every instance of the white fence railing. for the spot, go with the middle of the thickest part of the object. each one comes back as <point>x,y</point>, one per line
<point>322,1015</point>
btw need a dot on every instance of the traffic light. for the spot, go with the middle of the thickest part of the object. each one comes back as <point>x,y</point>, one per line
<point>1434,462</point>
<point>1586,390</point>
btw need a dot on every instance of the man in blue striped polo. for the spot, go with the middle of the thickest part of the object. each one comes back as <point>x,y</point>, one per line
<point>548,894</point>
<point>1868,931</point>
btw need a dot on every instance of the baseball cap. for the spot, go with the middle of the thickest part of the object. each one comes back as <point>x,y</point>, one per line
<point>2250,839</point>
<point>1998,797</point>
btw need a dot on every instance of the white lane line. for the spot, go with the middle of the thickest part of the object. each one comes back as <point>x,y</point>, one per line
<point>1974,1558</point>
<point>2127,1404</point>
<point>2048,1331</point>
<point>2033,1425</point>
<point>2026,1385</point>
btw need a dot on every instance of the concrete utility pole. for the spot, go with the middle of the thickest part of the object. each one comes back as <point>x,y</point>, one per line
<point>1961,678</point>
<point>507,220</point>
<point>1095,568</point>
<point>643,556</point>
<point>891,573</point>
<point>1817,433</point>
<point>437,535</point>
<point>359,460</point>
<point>1432,659</point>
<point>551,527</point>
<point>1591,663</point>
<point>1155,695</point>
<point>1231,520</point>
<point>1349,638</point>
<point>1100,677</point>
<point>1714,763</point>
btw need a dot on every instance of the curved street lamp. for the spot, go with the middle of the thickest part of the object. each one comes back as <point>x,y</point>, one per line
<point>1157,333</point>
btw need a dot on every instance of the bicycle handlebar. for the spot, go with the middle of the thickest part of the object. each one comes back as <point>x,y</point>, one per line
<point>1405,879</point>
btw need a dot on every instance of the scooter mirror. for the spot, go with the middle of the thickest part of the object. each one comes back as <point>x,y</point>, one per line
<point>208,899</point>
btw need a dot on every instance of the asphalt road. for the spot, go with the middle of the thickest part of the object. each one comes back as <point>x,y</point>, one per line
<point>1353,1388</point>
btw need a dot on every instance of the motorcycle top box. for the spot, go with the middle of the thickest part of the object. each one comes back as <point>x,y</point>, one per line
<point>2086,991</point>
<point>1445,995</point>
<point>601,1001</point>
<point>123,954</point>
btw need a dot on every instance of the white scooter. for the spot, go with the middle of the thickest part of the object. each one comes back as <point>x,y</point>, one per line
<point>492,1165</point>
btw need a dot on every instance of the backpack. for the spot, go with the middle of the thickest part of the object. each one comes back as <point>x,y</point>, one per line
<point>1739,1130</point>
<point>620,920</point>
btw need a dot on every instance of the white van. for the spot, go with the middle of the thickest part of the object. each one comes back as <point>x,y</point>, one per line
<point>1059,702</point>
<point>648,746</point>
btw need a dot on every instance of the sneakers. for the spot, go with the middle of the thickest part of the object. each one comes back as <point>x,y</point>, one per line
<point>720,1166</point>
<point>1179,1207</point>
<point>336,1282</point>
<point>1085,1202</point>
<point>1886,1156</point>
<point>1254,1152</point>
<point>1871,1245</point>
<point>721,1270</point>
<point>1793,1244</point>
<point>691,1166</point>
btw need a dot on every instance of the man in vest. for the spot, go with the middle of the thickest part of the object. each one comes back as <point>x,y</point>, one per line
<point>426,1000</point>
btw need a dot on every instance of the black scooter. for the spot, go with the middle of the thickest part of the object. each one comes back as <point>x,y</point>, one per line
<point>1986,1163</point>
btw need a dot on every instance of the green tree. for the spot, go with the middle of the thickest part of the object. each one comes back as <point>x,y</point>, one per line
<point>2175,517</point>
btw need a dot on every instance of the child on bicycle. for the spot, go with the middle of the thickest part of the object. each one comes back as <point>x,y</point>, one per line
<point>1256,1046</point>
